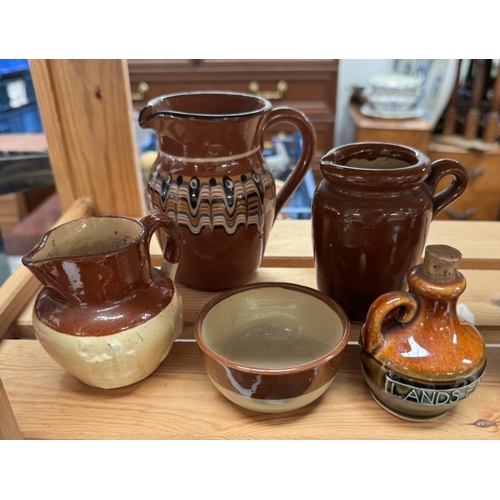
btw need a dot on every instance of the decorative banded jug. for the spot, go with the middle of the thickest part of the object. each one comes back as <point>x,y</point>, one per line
<point>210,176</point>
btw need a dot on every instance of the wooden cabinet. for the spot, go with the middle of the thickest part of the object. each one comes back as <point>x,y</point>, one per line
<point>308,85</point>
<point>415,133</point>
<point>481,200</point>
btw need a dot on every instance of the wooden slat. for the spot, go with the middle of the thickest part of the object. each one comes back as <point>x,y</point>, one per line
<point>24,331</point>
<point>482,298</point>
<point>179,402</point>
<point>9,428</point>
<point>291,255</point>
<point>19,288</point>
<point>478,241</point>
<point>86,109</point>
<point>290,243</point>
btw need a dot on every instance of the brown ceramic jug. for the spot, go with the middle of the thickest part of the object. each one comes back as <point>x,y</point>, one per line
<point>105,314</point>
<point>422,363</point>
<point>370,217</point>
<point>210,176</point>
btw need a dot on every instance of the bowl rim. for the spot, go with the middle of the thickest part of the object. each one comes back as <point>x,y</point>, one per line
<point>346,324</point>
<point>395,81</point>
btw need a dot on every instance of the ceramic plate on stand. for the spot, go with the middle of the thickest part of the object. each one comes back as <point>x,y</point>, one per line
<point>438,88</point>
<point>439,79</point>
<point>368,110</point>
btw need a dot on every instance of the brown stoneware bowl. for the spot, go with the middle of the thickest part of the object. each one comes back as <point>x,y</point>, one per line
<point>272,347</point>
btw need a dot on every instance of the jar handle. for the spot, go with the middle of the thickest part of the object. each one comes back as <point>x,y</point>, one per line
<point>371,338</point>
<point>306,129</point>
<point>440,169</point>
<point>172,250</point>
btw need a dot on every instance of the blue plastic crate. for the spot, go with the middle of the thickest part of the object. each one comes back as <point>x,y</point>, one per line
<point>299,204</point>
<point>9,66</point>
<point>25,119</point>
<point>20,86</point>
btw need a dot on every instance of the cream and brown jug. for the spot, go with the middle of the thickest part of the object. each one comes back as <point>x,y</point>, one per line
<point>105,314</point>
<point>210,176</point>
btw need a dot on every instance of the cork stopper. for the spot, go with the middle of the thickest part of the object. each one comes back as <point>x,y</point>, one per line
<point>441,262</point>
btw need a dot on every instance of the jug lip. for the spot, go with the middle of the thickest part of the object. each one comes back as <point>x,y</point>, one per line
<point>346,151</point>
<point>30,256</point>
<point>265,106</point>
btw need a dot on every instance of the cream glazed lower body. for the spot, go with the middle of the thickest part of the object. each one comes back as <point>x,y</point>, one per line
<point>119,359</point>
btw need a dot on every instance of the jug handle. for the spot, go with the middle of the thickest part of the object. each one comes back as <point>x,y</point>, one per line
<point>440,169</point>
<point>372,338</point>
<point>305,127</point>
<point>172,250</point>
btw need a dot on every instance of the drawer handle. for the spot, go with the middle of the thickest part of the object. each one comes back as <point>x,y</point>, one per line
<point>140,94</point>
<point>467,214</point>
<point>279,93</point>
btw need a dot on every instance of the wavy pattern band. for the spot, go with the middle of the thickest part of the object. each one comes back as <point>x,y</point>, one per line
<point>210,202</point>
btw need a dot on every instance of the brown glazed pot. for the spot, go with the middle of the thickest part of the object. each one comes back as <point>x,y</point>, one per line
<point>105,314</point>
<point>370,217</point>
<point>422,363</point>
<point>272,347</point>
<point>210,176</point>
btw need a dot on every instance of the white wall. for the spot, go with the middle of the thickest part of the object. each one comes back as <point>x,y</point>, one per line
<point>353,72</point>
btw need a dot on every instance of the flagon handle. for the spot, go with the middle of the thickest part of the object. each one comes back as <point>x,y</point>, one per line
<point>306,129</point>
<point>372,338</point>
<point>440,169</point>
<point>172,250</point>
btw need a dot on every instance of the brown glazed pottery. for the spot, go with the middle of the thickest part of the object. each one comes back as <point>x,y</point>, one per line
<point>427,359</point>
<point>370,217</point>
<point>105,314</point>
<point>210,176</point>
<point>272,347</point>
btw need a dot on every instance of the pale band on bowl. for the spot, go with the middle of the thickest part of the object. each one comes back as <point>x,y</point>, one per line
<point>272,347</point>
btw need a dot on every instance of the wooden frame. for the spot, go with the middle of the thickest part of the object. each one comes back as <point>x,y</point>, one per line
<point>86,110</point>
<point>182,402</point>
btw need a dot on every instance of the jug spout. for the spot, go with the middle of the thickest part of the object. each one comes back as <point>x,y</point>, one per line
<point>37,269</point>
<point>93,260</point>
<point>146,117</point>
<point>46,272</point>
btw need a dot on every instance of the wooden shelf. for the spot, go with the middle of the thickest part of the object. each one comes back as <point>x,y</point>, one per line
<point>178,401</point>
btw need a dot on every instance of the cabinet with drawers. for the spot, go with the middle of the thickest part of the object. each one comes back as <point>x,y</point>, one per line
<point>308,85</point>
<point>481,200</point>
